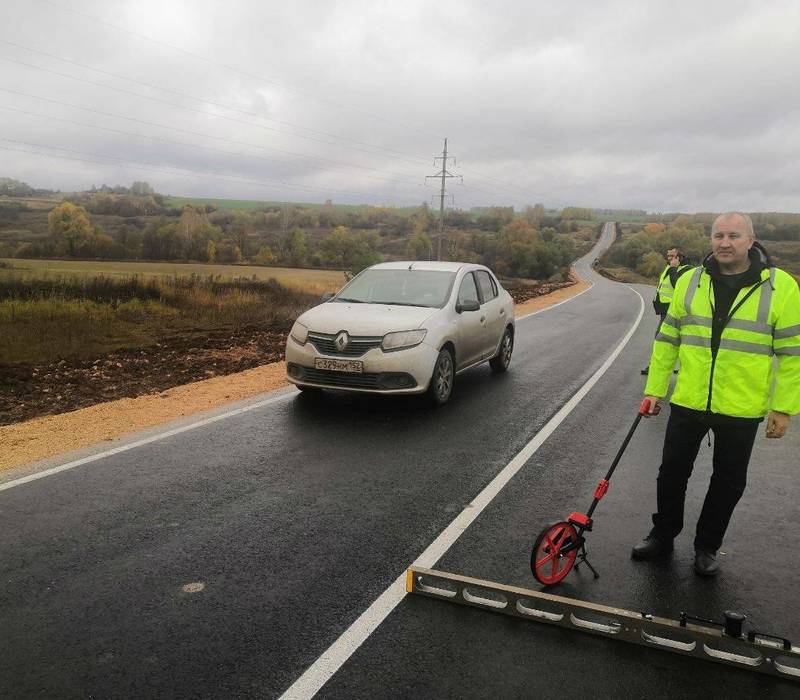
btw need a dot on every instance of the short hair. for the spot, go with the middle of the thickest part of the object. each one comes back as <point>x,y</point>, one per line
<point>748,222</point>
<point>678,253</point>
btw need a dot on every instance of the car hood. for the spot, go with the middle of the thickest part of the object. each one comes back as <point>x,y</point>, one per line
<point>364,319</point>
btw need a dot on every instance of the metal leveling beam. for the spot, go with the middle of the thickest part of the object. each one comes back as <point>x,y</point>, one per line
<point>724,642</point>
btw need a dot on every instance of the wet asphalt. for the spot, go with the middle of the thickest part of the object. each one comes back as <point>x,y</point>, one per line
<point>294,517</point>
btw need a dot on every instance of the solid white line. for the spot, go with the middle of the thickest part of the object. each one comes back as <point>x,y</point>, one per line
<point>144,441</point>
<point>547,308</point>
<point>307,685</point>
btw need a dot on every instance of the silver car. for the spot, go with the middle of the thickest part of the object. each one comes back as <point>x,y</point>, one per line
<point>403,328</point>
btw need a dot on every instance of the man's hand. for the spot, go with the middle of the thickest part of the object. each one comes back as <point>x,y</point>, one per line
<point>655,406</point>
<point>777,423</point>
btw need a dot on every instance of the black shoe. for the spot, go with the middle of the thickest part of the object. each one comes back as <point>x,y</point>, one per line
<point>646,370</point>
<point>705,562</point>
<point>651,548</point>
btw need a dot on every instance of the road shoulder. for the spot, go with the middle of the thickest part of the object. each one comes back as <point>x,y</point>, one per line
<point>49,436</point>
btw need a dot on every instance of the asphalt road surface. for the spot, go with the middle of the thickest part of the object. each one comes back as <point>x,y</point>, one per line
<point>224,560</point>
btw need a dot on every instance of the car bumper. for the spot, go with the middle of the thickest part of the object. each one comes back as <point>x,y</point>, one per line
<point>399,372</point>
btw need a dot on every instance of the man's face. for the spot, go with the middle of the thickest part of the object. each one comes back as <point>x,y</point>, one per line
<point>672,255</point>
<point>730,242</point>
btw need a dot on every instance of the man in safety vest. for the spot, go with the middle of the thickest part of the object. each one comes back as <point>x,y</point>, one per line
<point>727,319</point>
<point>676,266</point>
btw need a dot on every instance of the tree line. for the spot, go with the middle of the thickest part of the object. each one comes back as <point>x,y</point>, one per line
<point>137,223</point>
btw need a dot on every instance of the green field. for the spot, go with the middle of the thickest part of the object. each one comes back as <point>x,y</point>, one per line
<point>248,204</point>
<point>313,281</point>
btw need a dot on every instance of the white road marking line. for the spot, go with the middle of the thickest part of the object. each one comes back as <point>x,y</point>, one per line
<point>547,308</point>
<point>144,441</point>
<point>199,424</point>
<point>316,675</point>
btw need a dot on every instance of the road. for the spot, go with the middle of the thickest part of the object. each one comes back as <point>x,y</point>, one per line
<point>294,515</point>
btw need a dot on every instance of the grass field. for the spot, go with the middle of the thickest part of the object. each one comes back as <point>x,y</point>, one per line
<point>45,316</point>
<point>248,204</point>
<point>312,281</point>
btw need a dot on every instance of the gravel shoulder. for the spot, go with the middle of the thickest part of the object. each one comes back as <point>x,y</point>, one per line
<point>49,436</point>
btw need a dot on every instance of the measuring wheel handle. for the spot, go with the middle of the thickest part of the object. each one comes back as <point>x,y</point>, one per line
<point>554,552</point>
<point>581,521</point>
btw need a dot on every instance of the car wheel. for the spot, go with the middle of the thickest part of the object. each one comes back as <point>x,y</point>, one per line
<point>501,361</point>
<point>442,379</point>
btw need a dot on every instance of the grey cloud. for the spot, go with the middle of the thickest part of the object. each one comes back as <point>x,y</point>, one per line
<point>660,105</point>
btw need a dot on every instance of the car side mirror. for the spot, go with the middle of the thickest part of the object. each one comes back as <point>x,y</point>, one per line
<point>468,305</point>
<point>327,296</point>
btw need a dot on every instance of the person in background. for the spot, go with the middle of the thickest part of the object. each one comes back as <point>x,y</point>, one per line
<point>726,320</point>
<point>676,266</point>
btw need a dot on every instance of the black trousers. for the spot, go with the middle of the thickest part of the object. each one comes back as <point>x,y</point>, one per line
<point>733,444</point>
<point>661,320</point>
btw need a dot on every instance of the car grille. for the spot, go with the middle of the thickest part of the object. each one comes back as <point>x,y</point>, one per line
<point>356,381</point>
<point>382,381</point>
<point>357,346</point>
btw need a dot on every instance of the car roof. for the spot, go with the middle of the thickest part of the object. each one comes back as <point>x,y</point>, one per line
<point>438,265</point>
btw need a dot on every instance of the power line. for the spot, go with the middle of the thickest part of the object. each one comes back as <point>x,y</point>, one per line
<point>172,170</point>
<point>205,59</point>
<point>190,109</point>
<point>186,145</point>
<point>233,68</point>
<point>195,133</point>
<point>498,180</point>
<point>191,132</point>
<point>193,97</point>
<point>224,106</point>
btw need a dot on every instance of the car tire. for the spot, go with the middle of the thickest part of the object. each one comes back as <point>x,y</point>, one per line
<point>500,362</point>
<point>442,379</point>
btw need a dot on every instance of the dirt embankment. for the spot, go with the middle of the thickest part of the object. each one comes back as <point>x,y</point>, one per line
<point>31,391</point>
<point>103,400</point>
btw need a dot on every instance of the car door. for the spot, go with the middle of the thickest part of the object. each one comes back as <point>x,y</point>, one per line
<point>471,331</point>
<point>492,311</point>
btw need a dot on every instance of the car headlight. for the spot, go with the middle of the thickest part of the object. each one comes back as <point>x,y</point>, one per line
<point>299,333</point>
<point>403,339</point>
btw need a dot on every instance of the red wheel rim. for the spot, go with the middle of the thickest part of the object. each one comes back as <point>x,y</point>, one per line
<point>548,564</point>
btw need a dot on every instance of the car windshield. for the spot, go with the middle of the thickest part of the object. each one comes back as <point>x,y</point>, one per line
<point>399,287</point>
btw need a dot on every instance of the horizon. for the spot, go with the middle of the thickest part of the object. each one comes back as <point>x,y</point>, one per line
<point>298,203</point>
<point>655,106</point>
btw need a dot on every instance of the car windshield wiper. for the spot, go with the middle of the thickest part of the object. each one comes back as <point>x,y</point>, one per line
<point>400,303</point>
<point>355,301</point>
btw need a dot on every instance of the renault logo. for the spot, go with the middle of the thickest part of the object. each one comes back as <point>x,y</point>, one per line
<point>341,341</point>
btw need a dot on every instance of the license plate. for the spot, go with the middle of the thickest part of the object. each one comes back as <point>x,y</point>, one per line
<point>356,366</point>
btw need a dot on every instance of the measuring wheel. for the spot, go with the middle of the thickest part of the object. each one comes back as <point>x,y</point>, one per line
<point>554,552</point>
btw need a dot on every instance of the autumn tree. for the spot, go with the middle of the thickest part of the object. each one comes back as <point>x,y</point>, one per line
<point>654,229</point>
<point>142,189</point>
<point>535,214</point>
<point>652,264</point>
<point>197,230</point>
<point>69,224</point>
<point>419,247</point>
<point>241,230</point>
<point>494,218</point>
<point>295,247</point>
<point>265,256</point>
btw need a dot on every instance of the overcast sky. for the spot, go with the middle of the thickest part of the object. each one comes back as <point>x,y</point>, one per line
<point>664,106</point>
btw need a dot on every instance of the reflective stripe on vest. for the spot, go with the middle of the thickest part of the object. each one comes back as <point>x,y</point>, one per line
<point>691,290</point>
<point>665,289</point>
<point>743,378</point>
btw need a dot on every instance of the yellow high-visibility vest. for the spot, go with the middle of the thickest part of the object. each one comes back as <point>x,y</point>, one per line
<point>764,321</point>
<point>665,290</point>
